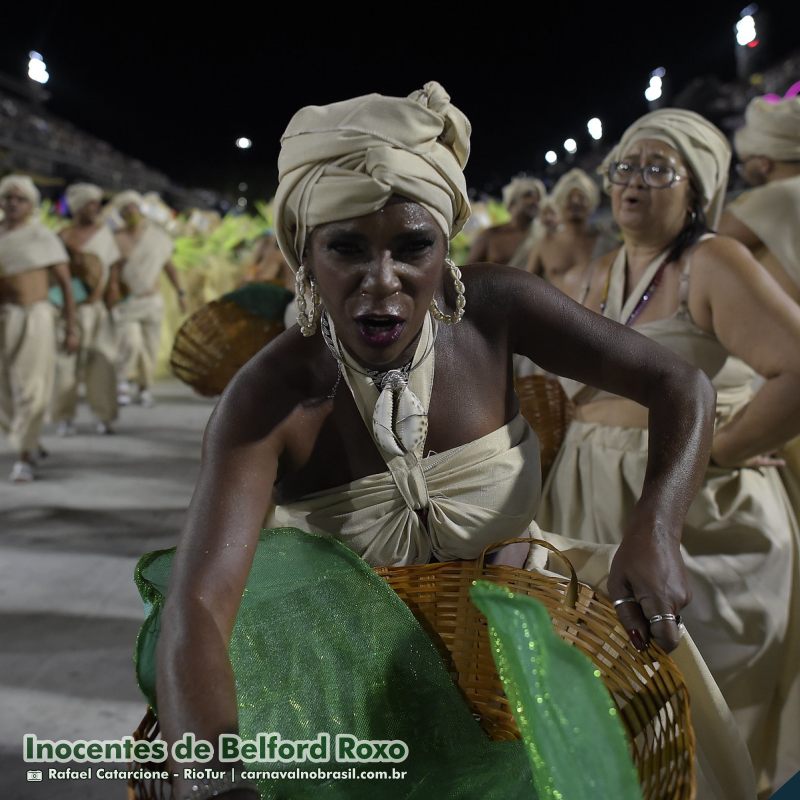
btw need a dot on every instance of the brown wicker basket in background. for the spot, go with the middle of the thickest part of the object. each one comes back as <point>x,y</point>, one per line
<point>548,410</point>
<point>215,342</point>
<point>647,687</point>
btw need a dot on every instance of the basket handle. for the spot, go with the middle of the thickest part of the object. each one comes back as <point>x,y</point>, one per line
<point>571,595</point>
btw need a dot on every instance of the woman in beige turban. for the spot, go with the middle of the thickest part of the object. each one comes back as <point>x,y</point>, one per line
<point>705,298</point>
<point>332,418</point>
<point>563,256</point>
<point>767,217</point>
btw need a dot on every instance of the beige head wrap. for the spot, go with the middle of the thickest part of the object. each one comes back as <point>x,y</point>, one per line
<point>126,198</point>
<point>518,186</point>
<point>79,194</point>
<point>702,146</point>
<point>576,179</point>
<point>347,159</point>
<point>770,129</point>
<point>23,184</point>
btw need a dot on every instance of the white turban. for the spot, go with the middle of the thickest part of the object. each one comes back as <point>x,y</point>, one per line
<point>347,159</point>
<point>701,145</point>
<point>770,129</point>
<point>79,194</point>
<point>23,184</point>
<point>126,198</point>
<point>576,179</point>
<point>518,186</point>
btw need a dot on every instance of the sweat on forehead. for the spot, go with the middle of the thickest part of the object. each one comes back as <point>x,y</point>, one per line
<point>400,214</point>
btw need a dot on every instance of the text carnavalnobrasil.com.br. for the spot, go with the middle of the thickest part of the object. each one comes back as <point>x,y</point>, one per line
<point>196,774</point>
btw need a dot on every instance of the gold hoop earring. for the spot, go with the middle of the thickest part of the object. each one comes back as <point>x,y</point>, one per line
<point>461,300</point>
<point>305,318</point>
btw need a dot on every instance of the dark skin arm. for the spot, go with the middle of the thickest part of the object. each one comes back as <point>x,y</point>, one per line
<point>241,450</point>
<point>565,338</point>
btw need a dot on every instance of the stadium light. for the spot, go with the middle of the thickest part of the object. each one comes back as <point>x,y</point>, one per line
<point>595,128</point>
<point>746,30</point>
<point>550,157</point>
<point>37,69</point>
<point>655,89</point>
<point>571,146</point>
<point>243,143</point>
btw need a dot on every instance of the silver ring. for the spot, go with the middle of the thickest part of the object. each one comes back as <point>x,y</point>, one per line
<point>625,600</point>
<point>666,618</point>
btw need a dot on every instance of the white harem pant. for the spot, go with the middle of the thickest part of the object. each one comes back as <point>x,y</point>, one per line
<point>139,324</point>
<point>27,365</point>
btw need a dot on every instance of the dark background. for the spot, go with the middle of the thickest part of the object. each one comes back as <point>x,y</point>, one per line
<point>176,91</point>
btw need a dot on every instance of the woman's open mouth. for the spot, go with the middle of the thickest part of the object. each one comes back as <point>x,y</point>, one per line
<point>380,331</point>
<point>631,199</point>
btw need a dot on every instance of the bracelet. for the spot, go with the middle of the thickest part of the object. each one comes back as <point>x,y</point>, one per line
<point>214,787</point>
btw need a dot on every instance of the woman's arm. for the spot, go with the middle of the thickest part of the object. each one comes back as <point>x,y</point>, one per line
<point>566,339</point>
<point>733,296</point>
<point>241,448</point>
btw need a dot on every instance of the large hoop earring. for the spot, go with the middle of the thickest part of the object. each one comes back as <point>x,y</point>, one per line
<point>305,318</point>
<point>461,300</point>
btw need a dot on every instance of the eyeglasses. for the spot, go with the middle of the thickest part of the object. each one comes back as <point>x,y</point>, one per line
<point>656,176</point>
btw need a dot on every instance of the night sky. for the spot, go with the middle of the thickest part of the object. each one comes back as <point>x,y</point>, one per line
<point>177,92</point>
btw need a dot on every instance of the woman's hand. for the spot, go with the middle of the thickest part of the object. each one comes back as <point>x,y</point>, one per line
<point>648,568</point>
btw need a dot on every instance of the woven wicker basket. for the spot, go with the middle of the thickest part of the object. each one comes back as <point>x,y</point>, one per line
<point>647,687</point>
<point>215,342</point>
<point>548,410</point>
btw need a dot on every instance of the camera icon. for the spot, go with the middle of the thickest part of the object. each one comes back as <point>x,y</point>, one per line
<point>35,775</point>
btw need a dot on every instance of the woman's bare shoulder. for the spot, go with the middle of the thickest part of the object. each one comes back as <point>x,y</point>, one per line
<point>722,255</point>
<point>289,372</point>
<point>494,289</point>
